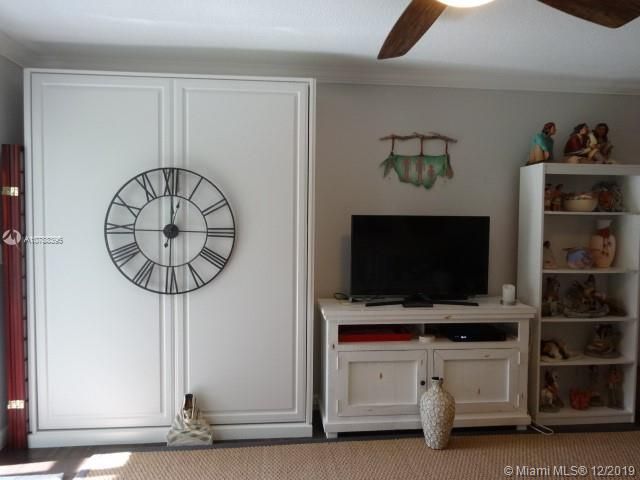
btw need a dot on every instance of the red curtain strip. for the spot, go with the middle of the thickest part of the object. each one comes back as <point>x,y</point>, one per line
<point>12,223</point>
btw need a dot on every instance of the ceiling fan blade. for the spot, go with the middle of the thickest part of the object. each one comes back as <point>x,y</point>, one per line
<point>610,13</point>
<point>410,27</point>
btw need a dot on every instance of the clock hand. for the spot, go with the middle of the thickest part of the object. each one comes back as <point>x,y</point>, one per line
<point>173,219</point>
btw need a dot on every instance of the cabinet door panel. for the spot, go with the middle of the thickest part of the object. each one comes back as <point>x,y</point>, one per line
<point>103,346</point>
<point>244,334</point>
<point>380,383</point>
<point>483,380</point>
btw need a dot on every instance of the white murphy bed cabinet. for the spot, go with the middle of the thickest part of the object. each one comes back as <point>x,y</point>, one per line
<point>110,362</point>
<point>377,385</point>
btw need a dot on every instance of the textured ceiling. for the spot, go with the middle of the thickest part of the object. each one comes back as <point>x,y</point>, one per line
<point>521,37</point>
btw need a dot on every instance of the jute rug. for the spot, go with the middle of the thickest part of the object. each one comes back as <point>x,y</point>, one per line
<point>468,457</point>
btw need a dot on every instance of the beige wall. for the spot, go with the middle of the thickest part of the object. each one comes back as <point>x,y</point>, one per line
<point>494,129</point>
<point>10,132</point>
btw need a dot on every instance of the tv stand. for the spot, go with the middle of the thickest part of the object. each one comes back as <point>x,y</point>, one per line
<point>376,385</point>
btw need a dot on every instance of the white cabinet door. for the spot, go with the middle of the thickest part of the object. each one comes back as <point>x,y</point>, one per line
<point>243,337</point>
<point>483,380</point>
<point>103,347</point>
<point>380,383</point>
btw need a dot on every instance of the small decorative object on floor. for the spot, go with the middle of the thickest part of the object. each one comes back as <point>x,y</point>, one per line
<point>604,343</point>
<point>188,427</point>
<point>419,169</point>
<point>603,245</point>
<point>550,400</point>
<point>614,386</point>
<point>548,259</point>
<point>541,149</point>
<point>610,197</point>
<point>437,411</point>
<point>582,300</point>
<point>551,305</point>
<point>579,258</point>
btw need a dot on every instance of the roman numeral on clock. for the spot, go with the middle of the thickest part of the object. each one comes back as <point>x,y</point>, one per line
<point>170,281</point>
<point>213,258</point>
<point>196,277</point>
<point>125,253</point>
<point>113,228</point>
<point>216,206</point>
<point>170,181</point>
<point>121,203</point>
<point>145,183</point>
<point>221,232</point>
<point>144,274</point>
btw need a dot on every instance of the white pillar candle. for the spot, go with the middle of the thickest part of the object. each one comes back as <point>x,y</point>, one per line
<point>508,294</point>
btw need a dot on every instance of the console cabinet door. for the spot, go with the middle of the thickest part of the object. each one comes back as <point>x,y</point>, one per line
<point>482,380</point>
<point>380,383</point>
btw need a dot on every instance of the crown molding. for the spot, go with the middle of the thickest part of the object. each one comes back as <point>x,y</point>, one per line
<point>324,68</point>
<point>16,52</point>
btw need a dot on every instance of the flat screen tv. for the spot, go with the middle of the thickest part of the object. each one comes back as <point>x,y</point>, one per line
<point>440,257</point>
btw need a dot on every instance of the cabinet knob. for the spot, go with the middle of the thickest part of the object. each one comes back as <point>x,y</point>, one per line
<point>423,383</point>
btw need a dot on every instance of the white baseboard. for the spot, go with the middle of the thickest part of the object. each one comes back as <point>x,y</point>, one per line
<point>4,432</point>
<point>124,436</point>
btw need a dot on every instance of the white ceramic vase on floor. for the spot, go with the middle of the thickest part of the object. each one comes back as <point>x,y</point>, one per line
<point>437,410</point>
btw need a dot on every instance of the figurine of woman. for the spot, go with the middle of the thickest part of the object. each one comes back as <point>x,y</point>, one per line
<point>599,138</point>
<point>578,149</point>
<point>542,145</point>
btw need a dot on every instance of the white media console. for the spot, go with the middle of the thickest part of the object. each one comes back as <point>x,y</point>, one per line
<point>376,385</point>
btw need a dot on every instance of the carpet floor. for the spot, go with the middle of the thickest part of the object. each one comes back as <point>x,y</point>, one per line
<point>467,457</point>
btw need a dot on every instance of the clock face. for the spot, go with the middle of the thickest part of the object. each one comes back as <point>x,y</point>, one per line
<point>169,230</point>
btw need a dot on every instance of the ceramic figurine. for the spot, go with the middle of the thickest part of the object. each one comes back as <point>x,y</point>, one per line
<point>579,399</point>
<point>551,305</point>
<point>578,149</point>
<point>550,400</point>
<point>599,139</point>
<point>595,398</point>
<point>548,259</point>
<point>542,145</point>
<point>614,386</point>
<point>603,245</point>
<point>604,342</point>
<point>582,300</point>
<point>610,198</point>
<point>553,350</point>
<point>556,198</point>
<point>579,258</point>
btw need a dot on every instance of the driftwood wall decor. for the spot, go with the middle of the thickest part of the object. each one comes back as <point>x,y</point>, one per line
<point>419,169</point>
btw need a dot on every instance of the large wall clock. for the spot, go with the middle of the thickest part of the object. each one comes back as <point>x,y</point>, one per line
<point>169,230</point>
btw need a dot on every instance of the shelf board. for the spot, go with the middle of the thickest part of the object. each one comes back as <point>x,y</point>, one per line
<point>589,169</point>
<point>602,214</point>
<point>568,412</point>
<point>607,319</point>
<point>587,271</point>
<point>586,361</point>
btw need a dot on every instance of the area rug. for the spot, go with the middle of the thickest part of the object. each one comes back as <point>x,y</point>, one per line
<point>468,457</point>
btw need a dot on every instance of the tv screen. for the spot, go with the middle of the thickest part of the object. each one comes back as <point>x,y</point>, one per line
<point>442,257</point>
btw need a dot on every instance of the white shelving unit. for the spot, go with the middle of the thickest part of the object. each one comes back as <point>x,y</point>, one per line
<point>574,229</point>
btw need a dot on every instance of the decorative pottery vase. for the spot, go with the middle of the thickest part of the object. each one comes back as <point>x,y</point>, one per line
<point>603,245</point>
<point>437,409</point>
